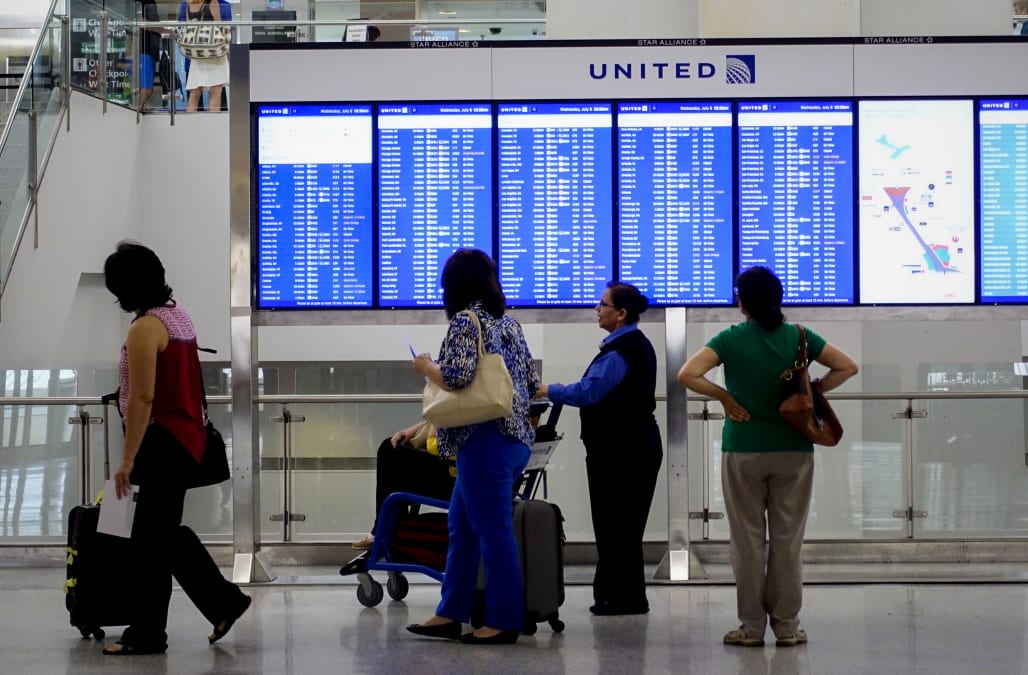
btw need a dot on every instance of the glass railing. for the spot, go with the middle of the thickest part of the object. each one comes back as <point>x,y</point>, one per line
<point>33,112</point>
<point>910,467</point>
<point>107,69</point>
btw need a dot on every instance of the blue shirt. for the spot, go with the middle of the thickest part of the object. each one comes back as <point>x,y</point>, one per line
<point>603,375</point>
<point>226,10</point>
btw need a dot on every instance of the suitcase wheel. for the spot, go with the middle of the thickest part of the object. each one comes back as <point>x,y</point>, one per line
<point>529,628</point>
<point>372,596</point>
<point>398,586</point>
<point>557,625</point>
<point>97,633</point>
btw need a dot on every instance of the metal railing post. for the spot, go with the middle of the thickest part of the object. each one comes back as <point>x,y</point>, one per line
<point>33,175</point>
<point>706,515</point>
<point>287,517</point>
<point>83,420</point>
<point>908,513</point>
<point>103,59</point>
<point>172,76</point>
<point>137,70</point>
<point>66,76</point>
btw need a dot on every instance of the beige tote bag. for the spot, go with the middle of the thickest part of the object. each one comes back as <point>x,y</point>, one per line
<point>489,395</point>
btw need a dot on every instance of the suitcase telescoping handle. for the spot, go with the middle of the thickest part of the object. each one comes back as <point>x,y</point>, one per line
<point>106,400</point>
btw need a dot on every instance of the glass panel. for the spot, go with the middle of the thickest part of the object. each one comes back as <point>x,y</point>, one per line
<point>86,46</point>
<point>14,196</point>
<point>857,485</point>
<point>970,469</point>
<point>39,473</point>
<point>46,96</point>
<point>334,454</point>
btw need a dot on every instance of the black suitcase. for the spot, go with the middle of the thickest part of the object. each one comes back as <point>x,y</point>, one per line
<point>99,574</point>
<point>539,530</point>
<point>99,565</point>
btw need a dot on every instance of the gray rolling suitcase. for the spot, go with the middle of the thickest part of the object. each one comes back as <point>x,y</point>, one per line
<point>539,529</point>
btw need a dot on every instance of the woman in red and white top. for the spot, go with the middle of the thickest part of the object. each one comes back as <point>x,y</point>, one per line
<point>160,402</point>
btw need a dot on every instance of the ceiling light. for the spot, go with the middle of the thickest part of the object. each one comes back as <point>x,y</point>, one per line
<point>447,12</point>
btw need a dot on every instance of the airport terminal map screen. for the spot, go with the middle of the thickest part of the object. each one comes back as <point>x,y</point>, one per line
<point>866,201</point>
<point>916,201</point>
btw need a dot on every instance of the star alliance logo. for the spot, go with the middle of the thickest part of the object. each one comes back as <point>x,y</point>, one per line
<point>740,69</point>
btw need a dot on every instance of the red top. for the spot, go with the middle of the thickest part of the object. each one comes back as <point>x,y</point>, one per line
<point>176,402</point>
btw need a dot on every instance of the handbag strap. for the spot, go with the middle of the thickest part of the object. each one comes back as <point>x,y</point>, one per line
<point>203,387</point>
<point>801,349</point>
<point>478,324</point>
<point>801,361</point>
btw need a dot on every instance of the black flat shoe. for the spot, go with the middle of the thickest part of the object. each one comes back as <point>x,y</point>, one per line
<point>449,631</point>
<point>504,637</point>
<point>611,609</point>
<point>123,649</point>
<point>225,626</point>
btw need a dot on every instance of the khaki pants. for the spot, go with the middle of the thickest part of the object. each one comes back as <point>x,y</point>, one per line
<point>778,484</point>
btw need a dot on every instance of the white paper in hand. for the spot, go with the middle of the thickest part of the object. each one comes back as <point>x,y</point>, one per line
<point>116,515</point>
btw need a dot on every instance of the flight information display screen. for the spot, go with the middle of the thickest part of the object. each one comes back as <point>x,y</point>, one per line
<point>555,201</point>
<point>795,181</point>
<point>916,191</point>
<point>435,194</point>
<point>314,206</point>
<point>1003,205</point>
<point>675,201</point>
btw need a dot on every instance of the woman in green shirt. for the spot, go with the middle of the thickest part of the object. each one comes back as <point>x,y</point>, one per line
<point>767,468</point>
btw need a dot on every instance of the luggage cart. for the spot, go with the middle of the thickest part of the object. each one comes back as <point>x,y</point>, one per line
<point>383,556</point>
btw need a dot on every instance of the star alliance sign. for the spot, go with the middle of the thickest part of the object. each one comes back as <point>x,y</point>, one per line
<point>739,69</point>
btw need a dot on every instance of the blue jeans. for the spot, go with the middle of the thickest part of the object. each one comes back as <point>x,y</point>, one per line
<point>481,528</point>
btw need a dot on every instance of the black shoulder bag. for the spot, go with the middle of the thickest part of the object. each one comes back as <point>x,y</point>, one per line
<point>213,467</point>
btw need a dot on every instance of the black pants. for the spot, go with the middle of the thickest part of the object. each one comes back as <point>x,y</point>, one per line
<point>162,547</point>
<point>404,469</point>
<point>622,476</point>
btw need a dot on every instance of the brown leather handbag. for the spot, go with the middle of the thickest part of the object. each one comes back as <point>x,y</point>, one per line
<point>803,404</point>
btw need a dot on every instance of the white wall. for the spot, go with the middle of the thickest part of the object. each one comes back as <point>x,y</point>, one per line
<point>774,18</point>
<point>110,179</point>
<point>935,17</point>
<point>598,19</point>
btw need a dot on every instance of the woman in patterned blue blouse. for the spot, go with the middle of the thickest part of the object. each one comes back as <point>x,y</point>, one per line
<point>490,457</point>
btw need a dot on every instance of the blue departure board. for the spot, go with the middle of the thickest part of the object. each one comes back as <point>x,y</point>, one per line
<point>675,206</point>
<point>435,194</point>
<point>1003,135</point>
<point>555,222</point>
<point>796,196</point>
<point>314,206</point>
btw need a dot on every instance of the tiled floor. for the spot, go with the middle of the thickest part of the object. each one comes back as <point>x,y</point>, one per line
<point>321,629</point>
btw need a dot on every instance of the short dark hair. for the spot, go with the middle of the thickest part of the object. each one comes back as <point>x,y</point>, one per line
<point>469,275</point>
<point>628,298</point>
<point>760,293</point>
<point>373,33</point>
<point>135,276</point>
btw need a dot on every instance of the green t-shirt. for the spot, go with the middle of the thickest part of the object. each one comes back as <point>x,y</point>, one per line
<point>754,360</point>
